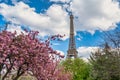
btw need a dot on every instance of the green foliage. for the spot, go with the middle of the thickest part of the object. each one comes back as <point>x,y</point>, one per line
<point>78,67</point>
<point>105,65</point>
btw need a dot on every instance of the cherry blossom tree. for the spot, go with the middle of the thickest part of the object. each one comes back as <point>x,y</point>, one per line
<point>25,53</point>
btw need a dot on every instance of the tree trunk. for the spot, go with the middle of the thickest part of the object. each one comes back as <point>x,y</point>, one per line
<point>16,78</point>
<point>7,72</point>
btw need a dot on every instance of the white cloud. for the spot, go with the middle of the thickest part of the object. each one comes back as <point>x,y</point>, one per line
<point>61,52</point>
<point>85,52</point>
<point>55,44</point>
<point>60,56</point>
<point>79,37</point>
<point>96,14</point>
<point>12,28</point>
<point>92,15</point>
<point>54,21</point>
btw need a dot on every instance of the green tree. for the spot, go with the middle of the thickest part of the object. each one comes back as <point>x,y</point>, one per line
<point>105,64</point>
<point>78,67</point>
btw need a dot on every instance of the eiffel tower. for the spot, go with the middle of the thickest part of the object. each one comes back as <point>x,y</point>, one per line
<point>72,52</point>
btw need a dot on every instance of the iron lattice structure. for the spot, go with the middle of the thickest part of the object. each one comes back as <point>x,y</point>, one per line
<point>72,52</point>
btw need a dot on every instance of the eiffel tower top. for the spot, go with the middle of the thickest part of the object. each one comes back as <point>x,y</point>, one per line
<point>72,52</point>
<point>71,17</point>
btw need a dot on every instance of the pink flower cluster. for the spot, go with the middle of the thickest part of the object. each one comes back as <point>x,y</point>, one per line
<point>27,54</point>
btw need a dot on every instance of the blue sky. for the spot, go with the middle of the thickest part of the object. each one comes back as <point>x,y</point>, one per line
<point>51,17</point>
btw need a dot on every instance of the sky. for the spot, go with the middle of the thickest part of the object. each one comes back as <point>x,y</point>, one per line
<point>50,17</point>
